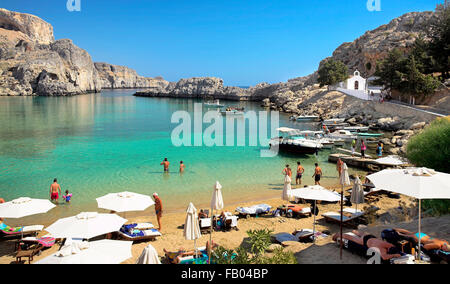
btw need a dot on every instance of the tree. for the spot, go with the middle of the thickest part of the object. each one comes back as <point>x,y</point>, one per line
<point>332,72</point>
<point>390,70</point>
<point>440,41</point>
<point>414,82</point>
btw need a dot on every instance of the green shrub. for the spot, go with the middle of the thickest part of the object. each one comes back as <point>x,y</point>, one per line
<point>259,240</point>
<point>431,147</point>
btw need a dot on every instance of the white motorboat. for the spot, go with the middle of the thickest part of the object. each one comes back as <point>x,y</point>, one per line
<point>298,145</point>
<point>232,112</point>
<point>357,128</point>
<point>333,121</point>
<point>342,135</point>
<point>215,103</point>
<point>305,118</point>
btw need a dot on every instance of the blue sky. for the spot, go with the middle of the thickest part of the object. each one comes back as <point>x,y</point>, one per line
<point>244,42</point>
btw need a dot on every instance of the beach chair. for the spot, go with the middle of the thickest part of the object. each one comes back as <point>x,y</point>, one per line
<point>361,250</point>
<point>26,243</point>
<point>350,217</point>
<point>11,232</point>
<point>131,233</point>
<point>255,210</point>
<point>187,257</point>
<point>205,225</point>
<point>29,253</point>
<point>231,222</point>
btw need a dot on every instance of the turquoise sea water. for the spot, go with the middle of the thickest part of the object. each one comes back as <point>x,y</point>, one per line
<point>111,142</point>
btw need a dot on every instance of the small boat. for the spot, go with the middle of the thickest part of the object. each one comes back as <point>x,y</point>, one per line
<point>357,128</point>
<point>297,146</point>
<point>342,135</point>
<point>305,118</point>
<point>216,103</point>
<point>333,121</point>
<point>362,134</point>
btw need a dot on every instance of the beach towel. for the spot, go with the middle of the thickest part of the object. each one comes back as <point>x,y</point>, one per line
<point>256,209</point>
<point>285,237</point>
<point>46,242</point>
<point>205,223</point>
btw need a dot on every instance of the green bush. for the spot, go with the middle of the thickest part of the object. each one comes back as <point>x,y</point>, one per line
<point>259,240</point>
<point>431,147</point>
<point>332,72</point>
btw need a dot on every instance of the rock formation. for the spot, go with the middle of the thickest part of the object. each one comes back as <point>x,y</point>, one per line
<point>121,77</point>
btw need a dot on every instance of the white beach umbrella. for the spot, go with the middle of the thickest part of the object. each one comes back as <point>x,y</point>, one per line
<point>316,193</point>
<point>192,226</point>
<point>86,225</point>
<point>149,256</point>
<point>420,183</point>
<point>125,201</point>
<point>287,189</point>
<point>357,193</point>
<point>25,206</point>
<point>344,180</point>
<point>216,204</point>
<point>98,252</point>
<point>217,200</point>
<point>391,161</point>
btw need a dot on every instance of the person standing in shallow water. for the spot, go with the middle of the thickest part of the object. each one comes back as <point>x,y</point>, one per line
<point>166,165</point>
<point>317,174</point>
<point>182,167</point>
<point>55,191</point>
<point>300,171</point>
<point>158,209</point>
<point>287,171</point>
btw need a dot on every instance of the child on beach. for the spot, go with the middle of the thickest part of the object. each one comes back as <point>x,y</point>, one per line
<point>67,197</point>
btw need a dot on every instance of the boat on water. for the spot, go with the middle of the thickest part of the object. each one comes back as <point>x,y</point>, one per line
<point>233,111</point>
<point>305,118</point>
<point>297,145</point>
<point>345,135</point>
<point>357,128</point>
<point>333,121</point>
<point>362,134</point>
<point>215,103</point>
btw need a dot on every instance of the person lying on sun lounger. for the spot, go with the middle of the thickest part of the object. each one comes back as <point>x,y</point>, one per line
<point>428,242</point>
<point>177,257</point>
<point>367,241</point>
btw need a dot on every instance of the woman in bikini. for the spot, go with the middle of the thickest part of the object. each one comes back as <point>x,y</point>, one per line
<point>428,242</point>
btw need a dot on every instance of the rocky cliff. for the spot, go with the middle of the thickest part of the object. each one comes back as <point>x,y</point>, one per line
<point>120,77</point>
<point>33,63</point>
<point>364,52</point>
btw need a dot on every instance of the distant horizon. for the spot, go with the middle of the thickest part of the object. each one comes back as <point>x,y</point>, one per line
<point>243,43</point>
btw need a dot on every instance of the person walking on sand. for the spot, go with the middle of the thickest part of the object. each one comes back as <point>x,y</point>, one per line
<point>300,171</point>
<point>55,190</point>
<point>166,165</point>
<point>287,171</point>
<point>182,167</point>
<point>317,174</point>
<point>158,209</point>
<point>363,149</point>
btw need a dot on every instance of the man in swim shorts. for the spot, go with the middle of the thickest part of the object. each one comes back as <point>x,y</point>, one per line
<point>300,171</point>
<point>55,191</point>
<point>166,165</point>
<point>158,209</point>
<point>317,174</point>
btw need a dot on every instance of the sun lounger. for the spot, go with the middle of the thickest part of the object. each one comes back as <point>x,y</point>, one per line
<point>362,250</point>
<point>45,242</point>
<point>130,233</point>
<point>205,225</point>
<point>254,210</point>
<point>350,217</point>
<point>6,231</point>
<point>285,237</point>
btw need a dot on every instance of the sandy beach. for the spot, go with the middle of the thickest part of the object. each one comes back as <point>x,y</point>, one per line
<point>323,251</point>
